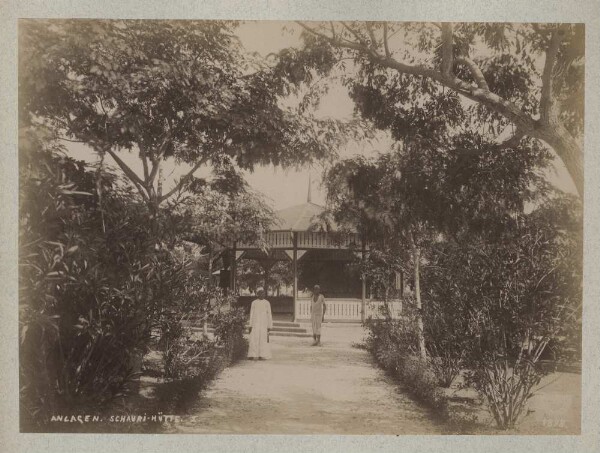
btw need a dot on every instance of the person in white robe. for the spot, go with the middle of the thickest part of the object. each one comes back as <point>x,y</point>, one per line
<point>261,321</point>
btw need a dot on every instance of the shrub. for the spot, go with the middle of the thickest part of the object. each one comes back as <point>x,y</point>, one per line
<point>507,386</point>
<point>184,357</point>
<point>445,365</point>
<point>92,284</point>
<point>516,296</point>
<point>195,368</point>
<point>192,364</point>
<point>445,340</point>
<point>83,309</point>
<point>229,332</point>
<point>393,343</point>
<point>422,383</point>
<point>184,296</point>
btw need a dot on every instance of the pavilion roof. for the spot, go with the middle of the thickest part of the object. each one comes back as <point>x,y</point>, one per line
<point>299,218</point>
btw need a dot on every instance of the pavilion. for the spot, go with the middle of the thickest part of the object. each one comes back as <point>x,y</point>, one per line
<point>330,258</point>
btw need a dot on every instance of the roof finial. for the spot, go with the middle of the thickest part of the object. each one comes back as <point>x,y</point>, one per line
<point>308,198</point>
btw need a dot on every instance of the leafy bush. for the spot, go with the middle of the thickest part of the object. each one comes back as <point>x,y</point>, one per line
<point>507,385</point>
<point>508,300</point>
<point>445,364</point>
<point>83,318</point>
<point>229,332</point>
<point>197,364</point>
<point>192,364</point>
<point>93,283</point>
<point>393,343</point>
<point>422,383</point>
<point>185,290</point>
<point>445,329</point>
<point>183,357</point>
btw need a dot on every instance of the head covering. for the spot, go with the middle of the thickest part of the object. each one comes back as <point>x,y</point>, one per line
<point>260,289</point>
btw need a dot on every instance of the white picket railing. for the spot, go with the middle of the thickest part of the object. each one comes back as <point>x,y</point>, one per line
<point>348,310</point>
<point>307,240</point>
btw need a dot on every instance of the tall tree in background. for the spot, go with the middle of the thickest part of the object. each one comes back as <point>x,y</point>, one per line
<point>215,217</point>
<point>523,80</point>
<point>180,90</point>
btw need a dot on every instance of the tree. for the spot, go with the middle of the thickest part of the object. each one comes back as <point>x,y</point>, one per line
<point>366,194</point>
<point>522,79</point>
<point>512,299</point>
<point>180,90</point>
<point>408,199</point>
<point>211,217</point>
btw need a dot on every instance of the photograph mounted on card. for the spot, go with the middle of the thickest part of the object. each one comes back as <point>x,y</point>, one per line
<point>300,227</point>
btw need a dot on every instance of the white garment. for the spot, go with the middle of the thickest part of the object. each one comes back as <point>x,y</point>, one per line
<point>260,320</point>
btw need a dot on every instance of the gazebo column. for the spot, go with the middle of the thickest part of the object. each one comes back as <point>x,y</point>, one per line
<point>233,269</point>
<point>295,264</point>
<point>364,286</point>
<point>363,305</point>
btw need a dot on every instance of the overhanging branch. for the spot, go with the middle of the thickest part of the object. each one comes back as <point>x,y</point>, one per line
<point>547,128</point>
<point>447,49</point>
<point>386,45</point>
<point>547,102</point>
<point>183,180</point>
<point>475,72</point>
<point>512,141</point>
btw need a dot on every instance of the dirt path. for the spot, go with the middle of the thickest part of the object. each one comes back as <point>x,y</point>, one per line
<point>333,389</point>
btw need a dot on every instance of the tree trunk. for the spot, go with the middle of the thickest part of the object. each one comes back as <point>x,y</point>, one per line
<point>416,255</point>
<point>209,287</point>
<point>154,208</point>
<point>567,149</point>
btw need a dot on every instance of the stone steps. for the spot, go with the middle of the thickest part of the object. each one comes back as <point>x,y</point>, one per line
<point>280,329</point>
<point>290,334</point>
<point>285,324</point>
<point>288,329</point>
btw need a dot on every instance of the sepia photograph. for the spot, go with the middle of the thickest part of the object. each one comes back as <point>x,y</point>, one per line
<point>300,227</point>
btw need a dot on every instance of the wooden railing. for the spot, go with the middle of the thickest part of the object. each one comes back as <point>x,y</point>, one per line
<point>307,240</point>
<point>274,239</point>
<point>348,310</point>
<point>321,240</point>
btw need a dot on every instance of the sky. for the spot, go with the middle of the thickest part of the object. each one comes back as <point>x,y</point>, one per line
<point>287,187</point>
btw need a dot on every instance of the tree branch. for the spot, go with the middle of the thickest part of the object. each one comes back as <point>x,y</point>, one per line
<point>356,35</point>
<point>512,141</point>
<point>135,179</point>
<point>332,28</point>
<point>388,62</point>
<point>547,101</point>
<point>386,45</point>
<point>144,158</point>
<point>477,94</point>
<point>155,159</point>
<point>372,35</point>
<point>184,179</point>
<point>72,141</point>
<point>475,72</point>
<point>154,170</point>
<point>447,49</point>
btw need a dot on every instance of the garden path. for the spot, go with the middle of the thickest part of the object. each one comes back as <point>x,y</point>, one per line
<point>332,389</point>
